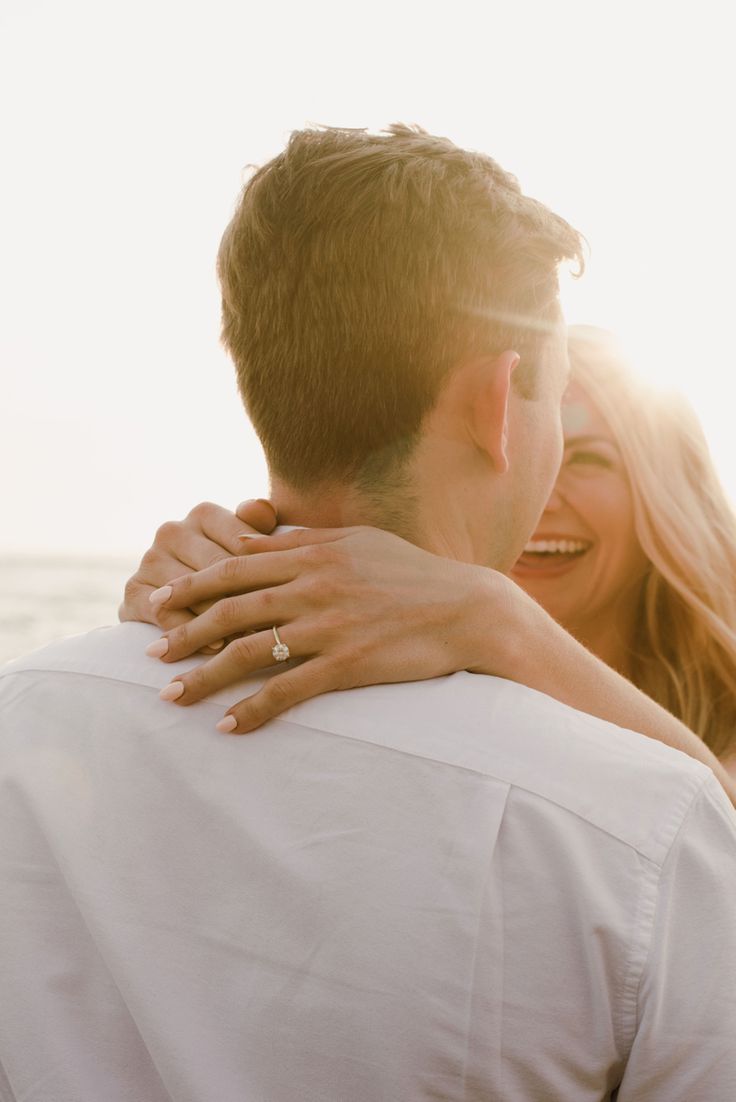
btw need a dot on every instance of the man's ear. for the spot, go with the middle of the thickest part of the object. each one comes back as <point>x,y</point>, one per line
<point>491,409</point>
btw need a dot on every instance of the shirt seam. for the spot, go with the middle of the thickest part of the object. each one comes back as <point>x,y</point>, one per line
<point>6,1091</point>
<point>642,942</point>
<point>474,980</point>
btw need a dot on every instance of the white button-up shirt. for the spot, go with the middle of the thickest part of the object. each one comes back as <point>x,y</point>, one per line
<point>455,889</point>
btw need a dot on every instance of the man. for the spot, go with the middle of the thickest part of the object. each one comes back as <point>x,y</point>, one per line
<point>401,892</point>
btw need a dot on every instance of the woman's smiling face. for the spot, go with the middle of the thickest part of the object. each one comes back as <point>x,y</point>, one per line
<point>584,563</point>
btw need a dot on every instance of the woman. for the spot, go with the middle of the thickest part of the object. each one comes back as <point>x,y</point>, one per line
<point>654,591</point>
<point>635,555</point>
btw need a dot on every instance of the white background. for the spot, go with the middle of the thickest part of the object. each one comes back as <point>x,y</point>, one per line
<point>125,129</point>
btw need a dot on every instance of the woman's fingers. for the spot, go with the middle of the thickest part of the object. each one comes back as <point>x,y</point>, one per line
<point>243,656</point>
<point>231,575</point>
<point>284,690</point>
<point>297,537</point>
<point>138,606</point>
<point>258,513</point>
<point>318,675</point>
<point>239,658</point>
<point>208,535</point>
<point>232,616</point>
<point>221,529</point>
<point>263,561</point>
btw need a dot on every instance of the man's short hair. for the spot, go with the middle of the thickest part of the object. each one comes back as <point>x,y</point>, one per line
<point>357,271</point>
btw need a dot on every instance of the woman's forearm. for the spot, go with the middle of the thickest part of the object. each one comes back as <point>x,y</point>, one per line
<point>541,654</point>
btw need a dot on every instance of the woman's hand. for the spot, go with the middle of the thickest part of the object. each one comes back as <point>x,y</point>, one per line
<point>360,606</point>
<point>206,536</point>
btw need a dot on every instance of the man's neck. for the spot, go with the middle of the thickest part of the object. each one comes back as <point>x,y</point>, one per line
<point>440,531</point>
<point>329,507</point>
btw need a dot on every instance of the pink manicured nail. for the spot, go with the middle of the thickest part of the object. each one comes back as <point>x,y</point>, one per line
<point>172,691</point>
<point>250,536</point>
<point>158,649</point>
<point>229,723</point>
<point>160,595</point>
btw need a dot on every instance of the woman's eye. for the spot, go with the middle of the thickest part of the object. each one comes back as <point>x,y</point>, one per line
<point>589,459</point>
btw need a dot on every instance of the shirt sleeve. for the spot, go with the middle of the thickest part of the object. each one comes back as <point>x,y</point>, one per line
<point>685,1044</point>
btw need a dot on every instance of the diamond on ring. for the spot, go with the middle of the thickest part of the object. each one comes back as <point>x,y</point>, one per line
<point>279,650</point>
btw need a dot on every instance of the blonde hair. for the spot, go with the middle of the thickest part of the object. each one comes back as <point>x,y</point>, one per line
<point>684,651</point>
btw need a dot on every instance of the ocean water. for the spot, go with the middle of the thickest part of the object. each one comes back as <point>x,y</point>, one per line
<point>43,598</point>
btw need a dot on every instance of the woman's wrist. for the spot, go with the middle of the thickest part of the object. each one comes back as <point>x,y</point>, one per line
<point>502,628</point>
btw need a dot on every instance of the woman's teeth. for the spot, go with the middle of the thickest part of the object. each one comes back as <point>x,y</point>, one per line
<point>556,547</point>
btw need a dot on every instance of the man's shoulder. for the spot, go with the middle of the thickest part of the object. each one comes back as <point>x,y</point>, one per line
<point>615,780</point>
<point>632,787</point>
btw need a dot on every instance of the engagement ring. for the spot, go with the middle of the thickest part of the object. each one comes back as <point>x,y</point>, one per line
<point>279,650</point>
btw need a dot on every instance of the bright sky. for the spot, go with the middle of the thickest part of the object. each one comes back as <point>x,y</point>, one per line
<point>125,131</point>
